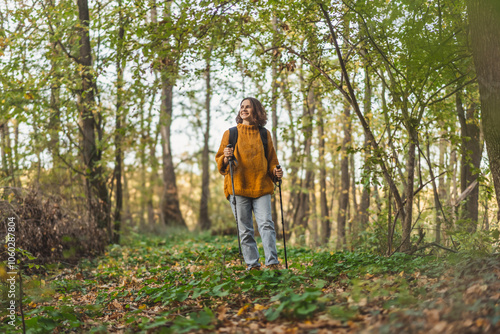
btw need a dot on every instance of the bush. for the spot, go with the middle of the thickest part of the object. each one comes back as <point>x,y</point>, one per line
<point>46,230</point>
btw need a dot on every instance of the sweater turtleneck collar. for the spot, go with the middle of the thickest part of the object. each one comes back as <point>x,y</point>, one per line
<point>247,128</point>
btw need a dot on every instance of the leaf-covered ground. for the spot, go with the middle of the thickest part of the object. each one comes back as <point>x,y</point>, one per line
<point>197,284</point>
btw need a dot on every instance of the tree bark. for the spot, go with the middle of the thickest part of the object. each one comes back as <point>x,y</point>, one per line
<point>484,25</point>
<point>470,161</point>
<point>344,188</point>
<point>119,128</point>
<point>365,196</point>
<point>326,229</point>
<point>302,212</point>
<point>441,190</point>
<point>97,191</point>
<point>204,221</point>
<point>274,110</point>
<point>170,210</point>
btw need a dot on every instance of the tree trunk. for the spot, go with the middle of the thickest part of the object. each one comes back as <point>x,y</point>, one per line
<point>302,212</point>
<point>204,219</point>
<point>365,196</point>
<point>54,120</point>
<point>274,110</point>
<point>344,188</point>
<point>354,223</point>
<point>470,161</point>
<point>97,192</point>
<point>313,229</point>
<point>326,229</point>
<point>484,25</point>
<point>408,208</point>
<point>293,158</point>
<point>170,210</point>
<point>119,128</point>
<point>441,190</point>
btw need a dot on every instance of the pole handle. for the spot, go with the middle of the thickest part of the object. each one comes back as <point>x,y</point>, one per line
<point>231,158</point>
<point>278,178</point>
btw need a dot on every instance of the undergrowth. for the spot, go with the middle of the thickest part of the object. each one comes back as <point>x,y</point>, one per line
<point>187,283</point>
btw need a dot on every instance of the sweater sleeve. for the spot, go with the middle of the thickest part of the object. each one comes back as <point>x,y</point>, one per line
<point>272,158</point>
<point>219,157</point>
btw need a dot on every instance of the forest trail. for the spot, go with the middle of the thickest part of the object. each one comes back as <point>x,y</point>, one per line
<point>190,285</point>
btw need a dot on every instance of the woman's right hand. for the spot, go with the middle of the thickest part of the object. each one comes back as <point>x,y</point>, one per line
<point>228,153</point>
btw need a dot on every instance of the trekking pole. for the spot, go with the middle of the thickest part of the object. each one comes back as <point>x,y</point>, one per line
<point>282,219</point>
<point>231,162</point>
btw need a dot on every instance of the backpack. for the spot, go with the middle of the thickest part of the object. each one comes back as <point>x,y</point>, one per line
<point>233,137</point>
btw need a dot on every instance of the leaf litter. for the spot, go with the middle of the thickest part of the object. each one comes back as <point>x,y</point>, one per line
<point>198,285</point>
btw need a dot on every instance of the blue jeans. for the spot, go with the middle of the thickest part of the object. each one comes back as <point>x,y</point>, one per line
<point>262,209</point>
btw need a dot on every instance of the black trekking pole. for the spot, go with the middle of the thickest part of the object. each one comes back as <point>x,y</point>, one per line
<point>282,219</point>
<point>231,162</point>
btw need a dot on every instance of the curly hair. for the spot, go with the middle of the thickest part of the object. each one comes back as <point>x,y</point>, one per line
<point>259,114</point>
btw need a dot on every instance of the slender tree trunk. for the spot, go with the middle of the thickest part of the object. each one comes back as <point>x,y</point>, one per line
<point>326,229</point>
<point>152,182</point>
<point>441,189</point>
<point>293,159</point>
<point>119,128</point>
<point>365,196</point>
<point>354,223</point>
<point>344,188</point>
<point>484,25</point>
<point>55,114</point>
<point>470,161</point>
<point>3,152</point>
<point>204,221</point>
<point>408,208</point>
<point>313,229</point>
<point>453,187</point>
<point>274,110</point>
<point>142,155</point>
<point>97,191</point>
<point>302,212</point>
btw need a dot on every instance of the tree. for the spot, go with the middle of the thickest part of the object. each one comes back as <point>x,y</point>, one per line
<point>91,127</point>
<point>204,220</point>
<point>484,24</point>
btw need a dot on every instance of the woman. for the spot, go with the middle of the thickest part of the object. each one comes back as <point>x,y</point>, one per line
<point>253,181</point>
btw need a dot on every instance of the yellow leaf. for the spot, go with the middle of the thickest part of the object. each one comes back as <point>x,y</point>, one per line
<point>258,307</point>
<point>401,273</point>
<point>142,307</point>
<point>243,309</point>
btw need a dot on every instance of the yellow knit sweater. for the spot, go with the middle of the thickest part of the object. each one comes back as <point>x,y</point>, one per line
<point>252,174</point>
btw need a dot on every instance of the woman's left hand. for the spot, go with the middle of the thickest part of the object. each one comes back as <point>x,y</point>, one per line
<point>278,172</point>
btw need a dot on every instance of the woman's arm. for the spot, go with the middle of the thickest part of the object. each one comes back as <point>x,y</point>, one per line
<point>272,159</point>
<point>220,157</point>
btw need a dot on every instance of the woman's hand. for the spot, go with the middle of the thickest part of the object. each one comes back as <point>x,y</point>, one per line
<point>278,172</point>
<point>228,153</point>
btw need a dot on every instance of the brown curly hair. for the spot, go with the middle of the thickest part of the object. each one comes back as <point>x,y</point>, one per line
<point>259,114</point>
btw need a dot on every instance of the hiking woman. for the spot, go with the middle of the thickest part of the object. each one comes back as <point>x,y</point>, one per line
<point>253,176</point>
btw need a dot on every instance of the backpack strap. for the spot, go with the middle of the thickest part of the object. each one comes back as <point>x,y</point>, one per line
<point>263,137</point>
<point>233,136</point>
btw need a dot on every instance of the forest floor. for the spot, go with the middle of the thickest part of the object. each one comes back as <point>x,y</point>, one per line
<point>197,285</point>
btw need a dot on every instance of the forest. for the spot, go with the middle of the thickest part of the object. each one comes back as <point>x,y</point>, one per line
<point>385,117</point>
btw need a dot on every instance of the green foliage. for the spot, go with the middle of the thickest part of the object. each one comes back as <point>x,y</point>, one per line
<point>296,305</point>
<point>332,265</point>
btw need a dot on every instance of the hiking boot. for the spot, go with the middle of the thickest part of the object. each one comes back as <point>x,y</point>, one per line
<point>275,266</point>
<point>253,268</point>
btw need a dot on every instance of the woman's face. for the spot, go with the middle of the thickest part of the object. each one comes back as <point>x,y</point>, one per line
<point>246,112</point>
